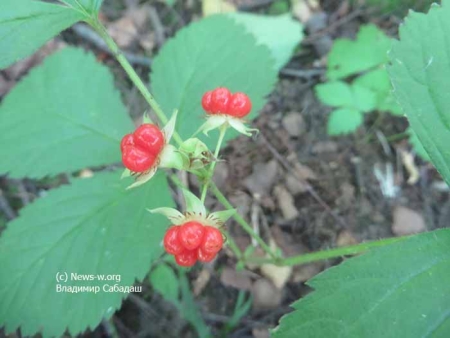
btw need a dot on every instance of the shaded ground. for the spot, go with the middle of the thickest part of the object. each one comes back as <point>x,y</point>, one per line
<point>276,180</point>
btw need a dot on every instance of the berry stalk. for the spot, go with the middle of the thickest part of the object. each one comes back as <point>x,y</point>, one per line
<point>210,173</point>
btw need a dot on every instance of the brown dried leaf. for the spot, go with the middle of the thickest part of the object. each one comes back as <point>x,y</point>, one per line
<point>407,222</point>
<point>236,279</point>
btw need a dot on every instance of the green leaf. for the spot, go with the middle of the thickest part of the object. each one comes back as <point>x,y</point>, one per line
<point>401,290</point>
<point>364,99</point>
<point>25,25</point>
<point>344,121</point>
<point>335,93</point>
<point>340,94</point>
<point>349,57</point>
<point>93,226</point>
<point>280,33</point>
<point>64,116</point>
<point>86,6</point>
<point>378,81</point>
<point>165,281</point>
<point>420,74</point>
<point>417,145</point>
<point>207,54</point>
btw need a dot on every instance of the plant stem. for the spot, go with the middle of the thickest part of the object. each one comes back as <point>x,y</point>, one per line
<point>134,77</point>
<point>209,177</point>
<point>326,254</point>
<point>223,200</point>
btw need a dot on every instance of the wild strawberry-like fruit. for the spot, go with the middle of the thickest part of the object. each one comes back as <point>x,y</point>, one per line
<point>136,159</point>
<point>204,256</point>
<point>240,105</point>
<point>187,258</point>
<point>172,243</point>
<point>191,235</point>
<point>212,240</point>
<point>149,137</point>
<point>206,102</point>
<point>220,97</point>
<point>141,149</point>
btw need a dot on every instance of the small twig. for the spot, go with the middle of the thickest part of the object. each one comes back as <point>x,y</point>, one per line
<point>333,26</point>
<point>303,73</point>
<point>254,5</point>
<point>6,208</point>
<point>308,187</point>
<point>88,34</point>
<point>158,28</point>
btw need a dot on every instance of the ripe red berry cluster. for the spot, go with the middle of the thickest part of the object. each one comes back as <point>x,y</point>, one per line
<point>193,241</point>
<point>221,101</point>
<point>141,148</point>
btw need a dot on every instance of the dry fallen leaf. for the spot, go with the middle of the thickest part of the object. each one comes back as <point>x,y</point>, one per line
<point>407,222</point>
<point>279,275</point>
<point>265,295</point>
<point>126,30</point>
<point>263,178</point>
<point>294,124</point>
<point>260,333</point>
<point>201,281</point>
<point>210,7</point>
<point>286,203</point>
<point>346,238</point>
<point>303,273</point>
<point>236,279</point>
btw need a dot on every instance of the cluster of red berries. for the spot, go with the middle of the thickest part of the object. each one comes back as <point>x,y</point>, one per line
<point>221,101</point>
<point>140,149</point>
<point>193,241</point>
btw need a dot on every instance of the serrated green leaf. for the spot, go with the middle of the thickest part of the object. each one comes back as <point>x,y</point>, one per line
<point>88,6</point>
<point>401,290</point>
<point>420,74</point>
<point>344,121</point>
<point>207,54</point>
<point>349,57</point>
<point>335,93</point>
<point>93,226</point>
<point>280,33</point>
<point>25,25</point>
<point>165,281</point>
<point>417,145</point>
<point>64,116</point>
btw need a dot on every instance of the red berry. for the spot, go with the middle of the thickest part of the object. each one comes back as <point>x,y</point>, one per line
<point>136,159</point>
<point>240,105</point>
<point>212,240</point>
<point>205,257</point>
<point>172,243</point>
<point>127,140</point>
<point>220,97</point>
<point>186,258</point>
<point>150,138</point>
<point>206,102</point>
<point>191,235</point>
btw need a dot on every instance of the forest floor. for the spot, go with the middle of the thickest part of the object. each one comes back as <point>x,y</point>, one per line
<point>299,187</point>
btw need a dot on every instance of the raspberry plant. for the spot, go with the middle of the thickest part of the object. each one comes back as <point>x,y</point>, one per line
<point>102,225</point>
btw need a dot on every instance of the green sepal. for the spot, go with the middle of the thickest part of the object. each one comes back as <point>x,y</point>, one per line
<point>193,204</point>
<point>146,118</point>
<point>169,128</point>
<point>197,153</point>
<point>240,127</point>
<point>220,217</point>
<point>172,215</point>
<point>125,173</point>
<point>172,158</point>
<point>143,178</point>
<point>213,122</point>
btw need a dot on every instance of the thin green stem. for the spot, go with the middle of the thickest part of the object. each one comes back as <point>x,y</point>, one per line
<point>209,177</point>
<point>327,254</point>
<point>396,137</point>
<point>223,200</point>
<point>134,77</point>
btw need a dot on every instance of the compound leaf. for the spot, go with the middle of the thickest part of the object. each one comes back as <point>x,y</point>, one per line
<point>25,25</point>
<point>351,57</point>
<point>335,93</point>
<point>91,227</point>
<point>64,116</point>
<point>420,73</point>
<point>207,54</point>
<point>400,290</point>
<point>344,121</point>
